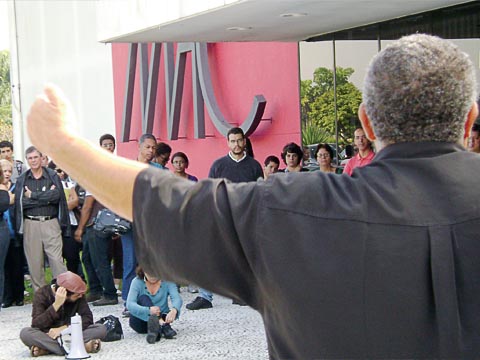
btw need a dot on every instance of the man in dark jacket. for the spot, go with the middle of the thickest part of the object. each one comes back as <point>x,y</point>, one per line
<point>53,307</point>
<point>379,265</point>
<point>41,216</point>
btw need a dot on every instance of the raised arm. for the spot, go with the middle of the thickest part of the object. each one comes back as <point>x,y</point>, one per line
<point>113,179</point>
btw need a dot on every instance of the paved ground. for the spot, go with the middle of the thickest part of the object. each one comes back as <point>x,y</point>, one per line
<point>226,331</point>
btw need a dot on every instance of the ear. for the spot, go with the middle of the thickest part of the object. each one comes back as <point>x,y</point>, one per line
<point>366,124</point>
<point>471,117</point>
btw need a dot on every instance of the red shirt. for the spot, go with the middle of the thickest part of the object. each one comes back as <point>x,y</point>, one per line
<point>358,161</point>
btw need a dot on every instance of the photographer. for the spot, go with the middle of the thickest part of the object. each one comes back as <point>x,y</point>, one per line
<point>95,255</point>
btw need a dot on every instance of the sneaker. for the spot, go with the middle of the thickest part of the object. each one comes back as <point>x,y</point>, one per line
<point>199,303</point>
<point>93,297</point>
<point>153,327</point>
<point>104,301</point>
<point>168,332</point>
<point>192,289</point>
<point>125,313</point>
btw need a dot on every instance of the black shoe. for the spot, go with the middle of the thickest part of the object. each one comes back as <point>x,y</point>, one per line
<point>168,332</point>
<point>93,297</point>
<point>237,302</point>
<point>199,303</point>
<point>7,305</point>
<point>19,303</point>
<point>104,301</point>
<point>125,313</point>
<point>153,327</point>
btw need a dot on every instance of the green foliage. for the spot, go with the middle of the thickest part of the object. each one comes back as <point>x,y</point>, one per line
<point>312,134</point>
<point>6,131</point>
<point>318,107</point>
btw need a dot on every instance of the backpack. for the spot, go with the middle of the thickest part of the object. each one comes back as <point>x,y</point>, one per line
<point>114,328</point>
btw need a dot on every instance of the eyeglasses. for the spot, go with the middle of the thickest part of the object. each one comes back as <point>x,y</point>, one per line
<point>323,156</point>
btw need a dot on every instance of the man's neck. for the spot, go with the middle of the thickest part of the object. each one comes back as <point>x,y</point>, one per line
<point>37,172</point>
<point>364,153</point>
<point>141,159</point>
<point>237,156</point>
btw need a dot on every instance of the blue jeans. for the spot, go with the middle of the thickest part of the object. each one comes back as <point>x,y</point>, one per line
<point>99,273</point>
<point>4,244</point>
<point>129,263</point>
<point>207,295</point>
<point>137,324</point>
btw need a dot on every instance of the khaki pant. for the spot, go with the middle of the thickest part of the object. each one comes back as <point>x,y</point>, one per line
<point>40,237</point>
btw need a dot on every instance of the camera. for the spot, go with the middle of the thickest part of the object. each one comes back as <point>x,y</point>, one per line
<point>109,223</point>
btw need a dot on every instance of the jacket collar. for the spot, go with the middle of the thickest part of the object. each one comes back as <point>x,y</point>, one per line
<point>425,149</point>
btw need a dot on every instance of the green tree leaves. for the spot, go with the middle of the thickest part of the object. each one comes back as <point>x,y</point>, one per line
<point>318,106</point>
<point>6,131</point>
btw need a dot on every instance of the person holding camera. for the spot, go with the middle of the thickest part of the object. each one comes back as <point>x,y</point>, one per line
<point>95,255</point>
<point>53,307</point>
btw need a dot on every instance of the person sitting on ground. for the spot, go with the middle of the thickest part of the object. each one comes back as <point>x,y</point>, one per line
<point>53,307</point>
<point>147,302</point>
<point>292,156</point>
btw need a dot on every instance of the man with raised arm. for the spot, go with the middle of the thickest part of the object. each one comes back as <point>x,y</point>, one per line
<point>382,264</point>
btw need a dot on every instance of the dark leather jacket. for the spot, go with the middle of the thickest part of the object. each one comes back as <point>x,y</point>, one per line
<point>63,217</point>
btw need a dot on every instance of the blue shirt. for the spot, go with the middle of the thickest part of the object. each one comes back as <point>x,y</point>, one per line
<point>160,299</point>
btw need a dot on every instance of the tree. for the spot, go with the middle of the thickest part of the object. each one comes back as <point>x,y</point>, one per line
<point>318,107</point>
<point>6,131</point>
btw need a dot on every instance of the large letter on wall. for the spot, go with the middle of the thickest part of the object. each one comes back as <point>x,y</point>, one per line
<point>174,90</point>
<point>149,84</point>
<point>129,86</point>
<point>256,111</point>
<point>148,87</point>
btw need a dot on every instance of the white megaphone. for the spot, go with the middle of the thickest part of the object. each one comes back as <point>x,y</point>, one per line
<point>77,347</point>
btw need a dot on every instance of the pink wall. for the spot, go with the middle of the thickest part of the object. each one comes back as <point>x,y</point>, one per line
<point>239,71</point>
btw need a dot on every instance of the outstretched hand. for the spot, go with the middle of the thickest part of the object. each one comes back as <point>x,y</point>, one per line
<point>46,122</point>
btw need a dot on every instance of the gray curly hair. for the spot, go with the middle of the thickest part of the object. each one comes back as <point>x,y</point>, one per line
<point>420,88</point>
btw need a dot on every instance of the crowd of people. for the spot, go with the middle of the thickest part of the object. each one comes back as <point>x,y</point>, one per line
<point>368,280</point>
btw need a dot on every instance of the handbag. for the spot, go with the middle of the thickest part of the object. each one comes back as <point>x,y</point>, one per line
<point>114,328</point>
<point>109,223</point>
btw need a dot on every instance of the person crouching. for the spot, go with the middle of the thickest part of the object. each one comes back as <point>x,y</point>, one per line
<point>147,302</point>
<point>53,307</point>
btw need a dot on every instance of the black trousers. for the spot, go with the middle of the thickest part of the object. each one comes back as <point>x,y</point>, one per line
<point>71,254</point>
<point>14,263</point>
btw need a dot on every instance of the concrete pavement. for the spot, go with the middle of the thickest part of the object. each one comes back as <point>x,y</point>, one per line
<point>224,332</point>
